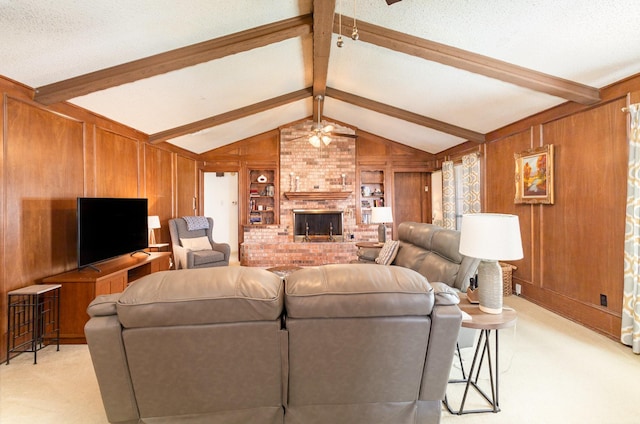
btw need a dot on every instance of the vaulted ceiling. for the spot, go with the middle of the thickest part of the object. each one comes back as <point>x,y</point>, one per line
<point>201,74</point>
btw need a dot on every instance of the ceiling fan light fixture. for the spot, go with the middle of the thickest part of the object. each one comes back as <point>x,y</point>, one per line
<point>314,140</point>
<point>326,140</point>
<point>354,34</point>
<point>340,43</point>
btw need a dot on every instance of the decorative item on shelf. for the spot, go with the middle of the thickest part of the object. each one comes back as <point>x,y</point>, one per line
<point>382,216</point>
<point>255,218</point>
<point>271,190</point>
<point>153,222</point>
<point>297,183</point>
<point>490,238</point>
<point>344,181</point>
<point>262,179</point>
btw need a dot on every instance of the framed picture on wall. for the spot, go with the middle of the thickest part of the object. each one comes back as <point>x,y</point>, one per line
<point>534,175</point>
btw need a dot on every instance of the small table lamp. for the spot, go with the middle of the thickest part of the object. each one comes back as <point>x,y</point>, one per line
<point>153,223</point>
<point>490,237</point>
<point>381,215</point>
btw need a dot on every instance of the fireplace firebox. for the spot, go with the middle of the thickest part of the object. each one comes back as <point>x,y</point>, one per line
<point>317,225</point>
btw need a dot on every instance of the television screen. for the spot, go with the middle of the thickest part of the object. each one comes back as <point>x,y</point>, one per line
<point>110,227</point>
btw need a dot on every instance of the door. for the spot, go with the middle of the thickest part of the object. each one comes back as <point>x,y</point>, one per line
<point>221,204</point>
<point>186,187</point>
<point>411,198</point>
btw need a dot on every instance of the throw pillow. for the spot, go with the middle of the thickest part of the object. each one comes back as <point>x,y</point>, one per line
<point>388,252</point>
<point>196,243</point>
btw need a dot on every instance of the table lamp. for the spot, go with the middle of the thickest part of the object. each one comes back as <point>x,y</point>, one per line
<point>153,223</point>
<point>490,238</point>
<point>381,215</point>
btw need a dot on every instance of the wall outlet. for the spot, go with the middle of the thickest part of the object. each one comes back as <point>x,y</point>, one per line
<point>603,300</point>
<point>518,289</point>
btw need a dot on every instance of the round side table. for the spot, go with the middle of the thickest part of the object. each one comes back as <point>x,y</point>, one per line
<point>485,323</point>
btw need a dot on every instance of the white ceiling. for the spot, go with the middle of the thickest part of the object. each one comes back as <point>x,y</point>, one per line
<point>591,42</point>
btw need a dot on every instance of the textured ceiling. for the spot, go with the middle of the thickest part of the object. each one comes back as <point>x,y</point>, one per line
<point>591,42</point>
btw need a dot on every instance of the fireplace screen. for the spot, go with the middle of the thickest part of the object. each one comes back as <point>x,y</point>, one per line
<point>317,225</point>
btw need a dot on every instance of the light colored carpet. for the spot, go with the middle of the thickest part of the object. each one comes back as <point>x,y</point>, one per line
<point>552,371</point>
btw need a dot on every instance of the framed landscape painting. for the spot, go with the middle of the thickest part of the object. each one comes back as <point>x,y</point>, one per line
<point>534,175</point>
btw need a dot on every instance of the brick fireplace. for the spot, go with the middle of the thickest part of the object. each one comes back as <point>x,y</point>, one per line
<point>311,179</point>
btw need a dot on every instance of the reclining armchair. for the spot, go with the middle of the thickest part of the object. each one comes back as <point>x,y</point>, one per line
<point>195,248</point>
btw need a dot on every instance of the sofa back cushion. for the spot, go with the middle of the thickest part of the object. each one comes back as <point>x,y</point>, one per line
<point>358,337</point>
<point>350,290</point>
<point>201,296</point>
<point>433,251</point>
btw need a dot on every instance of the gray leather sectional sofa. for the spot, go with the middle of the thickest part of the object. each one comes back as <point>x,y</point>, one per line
<point>432,251</point>
<point>350,343</point>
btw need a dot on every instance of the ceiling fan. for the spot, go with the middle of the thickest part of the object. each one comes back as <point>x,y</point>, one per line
<point>322,134</point>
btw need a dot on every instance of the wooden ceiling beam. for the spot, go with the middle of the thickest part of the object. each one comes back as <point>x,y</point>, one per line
<point>223,118</point>
<point>405,115</point>
<point>472,62</point>
<point>174,60</point>
<point>323,11</point>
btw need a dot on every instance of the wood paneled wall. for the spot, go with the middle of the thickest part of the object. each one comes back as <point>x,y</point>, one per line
<point>573,249</point>
<point>49,157</point>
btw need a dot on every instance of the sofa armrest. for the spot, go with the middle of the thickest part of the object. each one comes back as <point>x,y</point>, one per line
<point>445,326</point>
<point>445,295</point>
<point>368,254</point>
<point>180,256</point>
<point>104,338</point>
<point>224,248</point>
<point>103,305</point>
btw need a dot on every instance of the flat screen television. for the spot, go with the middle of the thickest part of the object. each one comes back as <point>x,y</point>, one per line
<point>110,227</point>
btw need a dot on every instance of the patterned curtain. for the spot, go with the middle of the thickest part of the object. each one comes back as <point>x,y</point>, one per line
<point>448,195</point>
<point>631,302</point>
<point>471,183</point>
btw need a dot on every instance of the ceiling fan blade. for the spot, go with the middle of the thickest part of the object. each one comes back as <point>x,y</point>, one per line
<point>344,135</point>
<point>390,2</point>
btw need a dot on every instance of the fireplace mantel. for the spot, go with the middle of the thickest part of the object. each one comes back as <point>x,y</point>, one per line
<point>317,195</point>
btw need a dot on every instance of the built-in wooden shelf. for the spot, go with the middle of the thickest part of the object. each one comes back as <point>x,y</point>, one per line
<point>317,195</point>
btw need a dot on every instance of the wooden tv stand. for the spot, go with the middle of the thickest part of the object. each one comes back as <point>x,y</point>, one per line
<point>81,286</point>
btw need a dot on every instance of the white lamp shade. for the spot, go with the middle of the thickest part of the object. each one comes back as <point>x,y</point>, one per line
<point>153,222</point>
<point>381,215</point>
<point>491,236</point>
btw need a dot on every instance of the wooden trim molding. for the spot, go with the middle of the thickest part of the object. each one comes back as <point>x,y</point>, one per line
<point>317,195</point>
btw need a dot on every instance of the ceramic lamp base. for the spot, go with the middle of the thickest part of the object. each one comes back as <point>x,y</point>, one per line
<point>382,233</point>
<point>490,293</point>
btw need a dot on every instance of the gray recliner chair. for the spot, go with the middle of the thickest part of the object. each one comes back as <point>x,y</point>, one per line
<point>190,248</point>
